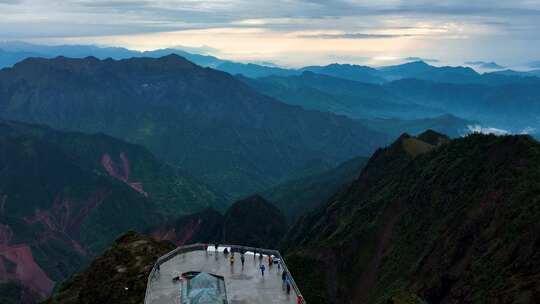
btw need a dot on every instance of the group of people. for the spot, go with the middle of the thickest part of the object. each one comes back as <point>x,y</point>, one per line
<point>286,280</point>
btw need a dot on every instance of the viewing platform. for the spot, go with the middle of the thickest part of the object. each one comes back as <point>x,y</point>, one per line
<point>175,277</point>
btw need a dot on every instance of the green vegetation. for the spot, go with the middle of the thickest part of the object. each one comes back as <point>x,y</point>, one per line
<point>455,223</point>
<point>313,277</point>
<point>14,293</point>
<point>206,122</point>
<point>67,196</point>
<point>254,222</point>
<point>297,196</point>
<point>118,276</point>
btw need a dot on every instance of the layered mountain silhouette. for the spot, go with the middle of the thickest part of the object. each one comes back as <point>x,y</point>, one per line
<point>489,100</point>
<point>428,220</point>
<point>491,104</point>
<point>12,52</point>
<point>341,96</point>
<point>64,197</point>
<point>205,121</point>
<point>348,71</point>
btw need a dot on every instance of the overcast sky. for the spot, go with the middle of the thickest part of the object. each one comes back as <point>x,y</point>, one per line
<point>291,32</point>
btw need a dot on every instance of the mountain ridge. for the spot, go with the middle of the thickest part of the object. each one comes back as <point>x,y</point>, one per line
<point>427,226</point>
<point>213,126</point>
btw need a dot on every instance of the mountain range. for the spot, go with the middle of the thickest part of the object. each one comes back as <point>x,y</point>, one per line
<point>413,101</point>
<point>459,91</point>
<point>419,224</point>
<point>12,52</point>
<point>163,142</point>
<point>428,220</point>
<point>207,122</point>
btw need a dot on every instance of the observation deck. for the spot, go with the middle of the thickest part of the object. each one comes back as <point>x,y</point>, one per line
<point>167,283</point>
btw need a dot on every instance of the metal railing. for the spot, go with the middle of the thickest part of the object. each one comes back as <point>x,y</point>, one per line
<point>234,248</point>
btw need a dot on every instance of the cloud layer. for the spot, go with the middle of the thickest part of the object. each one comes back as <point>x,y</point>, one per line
<point>455,31</point>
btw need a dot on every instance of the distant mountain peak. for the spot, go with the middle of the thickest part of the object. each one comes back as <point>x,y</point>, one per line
<point>418,62</point>
<point>433,137</point>
<point>417,145</point>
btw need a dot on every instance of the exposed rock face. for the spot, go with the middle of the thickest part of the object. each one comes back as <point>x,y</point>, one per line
<point>17,264</point>
<point>443,221</point>
<point>254,222</point>
<point>118,276</point>
<point>64,197</point>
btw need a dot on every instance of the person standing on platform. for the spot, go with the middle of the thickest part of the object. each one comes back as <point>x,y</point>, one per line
<point>262,269</point>
<point>288,282</point>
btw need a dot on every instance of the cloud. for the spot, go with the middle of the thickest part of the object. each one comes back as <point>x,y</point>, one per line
<point>445,29</point>
<point>485,65</point>
<point>115,3</point>
<point>355,36</point>
<point>421,59</point>
<point>471,129</point>
<point>527,131</point>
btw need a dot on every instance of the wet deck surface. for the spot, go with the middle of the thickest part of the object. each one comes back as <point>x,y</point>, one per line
<point>244,285</point>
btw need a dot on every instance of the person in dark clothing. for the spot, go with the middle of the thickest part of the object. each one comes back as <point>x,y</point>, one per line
<point>226,251</point>
<point>262,269</point>
<point>216,245</point>
<point>242,259</point>
<point>288,282</point>
<point>284,276</point>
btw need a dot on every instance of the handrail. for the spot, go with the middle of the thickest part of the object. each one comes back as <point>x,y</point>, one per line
<point>199,246</point>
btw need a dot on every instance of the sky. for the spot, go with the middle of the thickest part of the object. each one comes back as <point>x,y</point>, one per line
<point>292,32</point>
